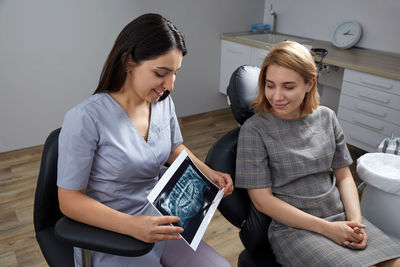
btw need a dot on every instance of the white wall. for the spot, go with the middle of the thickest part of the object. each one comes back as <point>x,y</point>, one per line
<point>317,19</point>
<point>202,22</point>
<point>52,53</point>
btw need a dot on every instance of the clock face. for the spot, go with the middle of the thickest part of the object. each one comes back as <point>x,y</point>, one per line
<point>347,34</point>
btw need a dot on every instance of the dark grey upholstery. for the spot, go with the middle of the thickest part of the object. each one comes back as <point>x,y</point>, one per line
<point>242,89</point>
<point>237,208</point>
<point>57,234</point>
<point>46,212</point>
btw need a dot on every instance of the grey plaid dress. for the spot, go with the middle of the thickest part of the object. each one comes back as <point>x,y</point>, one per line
<point>295,158</point>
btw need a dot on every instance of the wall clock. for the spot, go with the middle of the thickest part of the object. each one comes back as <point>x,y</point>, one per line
<point>347,34</point>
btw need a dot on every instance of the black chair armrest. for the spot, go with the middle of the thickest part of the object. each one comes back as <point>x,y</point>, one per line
<point>93,238</point>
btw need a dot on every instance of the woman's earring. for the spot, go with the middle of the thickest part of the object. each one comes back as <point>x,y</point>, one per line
<point>127,70</point>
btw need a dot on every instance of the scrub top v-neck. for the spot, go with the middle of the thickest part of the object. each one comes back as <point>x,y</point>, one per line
<point>145,138</point>
<point>100,150</point>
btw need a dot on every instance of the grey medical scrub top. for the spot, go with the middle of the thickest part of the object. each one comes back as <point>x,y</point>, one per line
<point>101,151</point>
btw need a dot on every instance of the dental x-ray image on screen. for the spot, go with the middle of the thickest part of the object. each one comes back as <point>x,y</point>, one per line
<point>187,193</point>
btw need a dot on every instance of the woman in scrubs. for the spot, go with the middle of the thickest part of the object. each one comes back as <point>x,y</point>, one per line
<point>293,160</point>
<point>112,146</point>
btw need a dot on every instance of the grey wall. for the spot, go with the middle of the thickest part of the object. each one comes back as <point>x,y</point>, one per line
<point>317,19</point>
<point>52,53</point>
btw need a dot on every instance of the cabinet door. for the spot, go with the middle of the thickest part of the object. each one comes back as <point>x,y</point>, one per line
<point>369,109</point>
<point>257,56</point>
<point>233,55</point>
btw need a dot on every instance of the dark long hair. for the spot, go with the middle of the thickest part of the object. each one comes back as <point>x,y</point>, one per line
<point>147,37</point>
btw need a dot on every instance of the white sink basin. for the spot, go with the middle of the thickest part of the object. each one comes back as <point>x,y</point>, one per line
<point>273,39</point>
<point>380,170</point>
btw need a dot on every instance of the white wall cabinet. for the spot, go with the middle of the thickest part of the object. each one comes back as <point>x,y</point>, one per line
<point>257,56</point>
<point>234,55</point>
<point>369,109</point>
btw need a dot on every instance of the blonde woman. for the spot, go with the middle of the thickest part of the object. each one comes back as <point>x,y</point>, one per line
<point>292,158</point>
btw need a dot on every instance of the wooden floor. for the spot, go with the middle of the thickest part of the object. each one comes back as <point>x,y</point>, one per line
<point>18,175</point>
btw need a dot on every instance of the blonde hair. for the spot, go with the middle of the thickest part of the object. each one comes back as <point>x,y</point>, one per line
<point>296,57</point>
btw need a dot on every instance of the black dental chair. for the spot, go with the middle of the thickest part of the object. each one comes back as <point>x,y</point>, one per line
<point>237,208</point>
<point>57,234</point>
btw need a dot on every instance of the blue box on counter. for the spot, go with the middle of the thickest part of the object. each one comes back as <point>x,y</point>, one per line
<point>260,27</point>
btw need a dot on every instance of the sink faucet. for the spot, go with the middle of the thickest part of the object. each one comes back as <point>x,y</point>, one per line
<point>273,13</point>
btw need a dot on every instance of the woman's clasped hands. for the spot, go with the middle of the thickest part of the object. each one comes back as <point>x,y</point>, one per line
<point>349,234</point>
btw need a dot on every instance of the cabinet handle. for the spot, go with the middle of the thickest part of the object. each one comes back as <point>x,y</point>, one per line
<point>366,110</point>
<point>235,52</point>
<point>382,85</point>
<point>374,97</point>
<point>362,140</point>
<point>366,124</point>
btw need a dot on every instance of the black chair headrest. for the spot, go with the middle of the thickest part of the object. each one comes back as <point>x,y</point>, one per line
<point>242,89</point>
